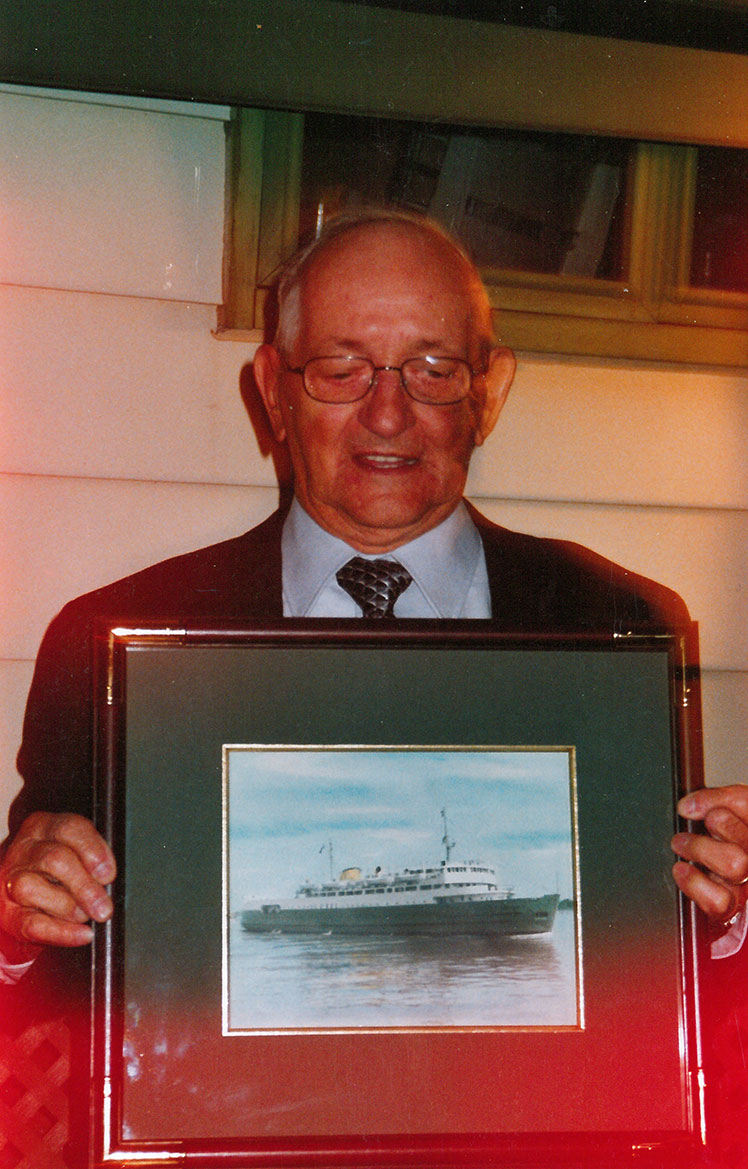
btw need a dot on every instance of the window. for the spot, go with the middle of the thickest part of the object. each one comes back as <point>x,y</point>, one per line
<point>625,251</point>
<point>588,245</point>
<point>524,201</point>
<point>719,248</point>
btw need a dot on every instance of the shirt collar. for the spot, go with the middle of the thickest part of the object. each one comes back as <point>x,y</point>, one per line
<point>442,561</point>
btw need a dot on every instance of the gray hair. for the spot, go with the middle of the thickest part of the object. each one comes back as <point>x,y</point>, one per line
<point>291,279</point>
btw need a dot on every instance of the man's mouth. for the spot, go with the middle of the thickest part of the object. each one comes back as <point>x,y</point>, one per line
<point>374,462</point>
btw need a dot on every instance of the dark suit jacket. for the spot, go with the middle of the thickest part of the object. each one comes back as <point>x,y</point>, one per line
<point>536,585</point>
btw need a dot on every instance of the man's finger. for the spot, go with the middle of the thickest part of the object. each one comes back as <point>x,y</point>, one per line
<point>725,860</point>
<point>696,805</point>
<point>43,930</point>
<point>723,824</point>
<point>51,864</point>
<point>712,898</point>
<point>52,882</point>
<point>31,890</point>
<point>77,833</point>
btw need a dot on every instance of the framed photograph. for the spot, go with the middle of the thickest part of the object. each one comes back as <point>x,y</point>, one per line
<point>405,931</point>
<point>394,900</point>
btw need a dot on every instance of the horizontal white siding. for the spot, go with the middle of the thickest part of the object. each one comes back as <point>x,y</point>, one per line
<point>15,678</point>
<point>124,388</point>
<point>110,200</point>
<point>124,437</point>
<point>86,532</point>
<point>725,715</point>
<point>620,432</point>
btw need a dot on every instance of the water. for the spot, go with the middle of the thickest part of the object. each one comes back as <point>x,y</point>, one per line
<point>322,981</point>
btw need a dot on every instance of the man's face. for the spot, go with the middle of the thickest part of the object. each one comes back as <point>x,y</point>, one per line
<point>380,471</point>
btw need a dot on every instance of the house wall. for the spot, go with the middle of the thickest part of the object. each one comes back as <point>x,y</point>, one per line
<point>124,438</point>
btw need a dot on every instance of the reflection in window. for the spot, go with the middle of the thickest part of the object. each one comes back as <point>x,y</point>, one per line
<point>533,202</point>
<point>719,257</point>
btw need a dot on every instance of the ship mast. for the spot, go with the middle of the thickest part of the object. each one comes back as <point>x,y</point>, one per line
<point>448,844</point>
<point>328,850</point>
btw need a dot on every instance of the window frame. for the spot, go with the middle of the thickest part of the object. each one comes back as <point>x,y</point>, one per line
<point>659,103</point>
<point>654,315</point>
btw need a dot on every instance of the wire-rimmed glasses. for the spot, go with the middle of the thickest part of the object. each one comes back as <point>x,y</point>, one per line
<point>435,381</point>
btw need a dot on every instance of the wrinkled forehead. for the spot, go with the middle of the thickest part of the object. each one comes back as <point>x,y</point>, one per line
<point>386,274</point>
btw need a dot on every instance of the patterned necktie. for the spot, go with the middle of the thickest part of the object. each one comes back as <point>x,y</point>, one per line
<point>374,585</point>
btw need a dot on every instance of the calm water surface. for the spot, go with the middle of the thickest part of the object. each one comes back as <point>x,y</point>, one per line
<point>296,980</point>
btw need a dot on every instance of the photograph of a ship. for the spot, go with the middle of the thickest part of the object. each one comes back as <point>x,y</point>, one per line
<point>385,887</point>
<point>456,897</point>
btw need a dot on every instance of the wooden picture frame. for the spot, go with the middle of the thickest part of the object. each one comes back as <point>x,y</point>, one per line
<point>616,1083</point>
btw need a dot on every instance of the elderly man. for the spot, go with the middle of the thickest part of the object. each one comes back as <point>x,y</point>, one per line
<point>383,378</point>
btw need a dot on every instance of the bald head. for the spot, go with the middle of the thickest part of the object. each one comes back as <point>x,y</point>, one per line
<point>366,232</point>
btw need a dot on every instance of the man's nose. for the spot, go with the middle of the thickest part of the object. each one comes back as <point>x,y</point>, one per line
<point>387,409</point>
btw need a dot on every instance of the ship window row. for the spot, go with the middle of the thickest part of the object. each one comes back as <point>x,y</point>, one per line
<point>369,892</point>
<point>467,869</point>
<point>387,889</point>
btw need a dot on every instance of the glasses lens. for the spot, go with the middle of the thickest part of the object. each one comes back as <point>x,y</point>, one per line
<point>437,379</point>
<point>337,379</point>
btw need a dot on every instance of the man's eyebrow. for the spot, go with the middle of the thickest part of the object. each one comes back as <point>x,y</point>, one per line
<point>422,345</point>
<point>344,343</point>
<point>427,345</point>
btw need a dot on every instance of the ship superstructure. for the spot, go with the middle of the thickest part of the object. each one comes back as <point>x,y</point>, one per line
<point>461,897</point>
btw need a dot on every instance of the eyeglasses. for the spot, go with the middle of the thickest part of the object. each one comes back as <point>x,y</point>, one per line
<point>435,381</point>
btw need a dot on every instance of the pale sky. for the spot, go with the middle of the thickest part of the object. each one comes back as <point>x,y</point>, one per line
<point>382,807</point>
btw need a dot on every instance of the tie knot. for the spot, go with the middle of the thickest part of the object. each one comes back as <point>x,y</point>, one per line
<point>374,585</point>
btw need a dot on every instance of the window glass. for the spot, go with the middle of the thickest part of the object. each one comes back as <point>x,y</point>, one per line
<point>719,257</point>
<point>533,202</point>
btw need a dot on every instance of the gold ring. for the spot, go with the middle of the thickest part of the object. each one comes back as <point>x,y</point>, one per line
<point>743,882</point>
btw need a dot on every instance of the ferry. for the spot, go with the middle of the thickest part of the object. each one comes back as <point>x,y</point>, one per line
<point>453,897</point>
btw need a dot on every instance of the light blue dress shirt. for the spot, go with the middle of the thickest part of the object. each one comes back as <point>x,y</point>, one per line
<point>447,564</point>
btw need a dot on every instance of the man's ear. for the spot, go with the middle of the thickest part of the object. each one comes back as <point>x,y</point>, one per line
<point>497,380</point>
<point>266,367</point>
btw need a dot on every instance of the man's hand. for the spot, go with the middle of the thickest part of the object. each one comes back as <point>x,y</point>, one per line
<point>716,877</point>
<point>52,880</point>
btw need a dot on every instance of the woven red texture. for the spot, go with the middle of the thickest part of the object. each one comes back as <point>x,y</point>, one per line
<point>34,1069</point>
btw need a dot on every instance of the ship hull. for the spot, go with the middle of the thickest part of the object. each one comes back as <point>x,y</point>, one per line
<point>508,917</point>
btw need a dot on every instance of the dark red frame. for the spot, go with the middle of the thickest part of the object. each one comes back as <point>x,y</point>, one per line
<point>436,1150</point>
